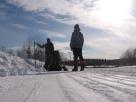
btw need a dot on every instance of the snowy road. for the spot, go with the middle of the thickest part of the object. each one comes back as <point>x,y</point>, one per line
<point>92,85</point>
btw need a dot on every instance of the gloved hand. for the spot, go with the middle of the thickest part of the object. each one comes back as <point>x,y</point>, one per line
<point>37,44</point>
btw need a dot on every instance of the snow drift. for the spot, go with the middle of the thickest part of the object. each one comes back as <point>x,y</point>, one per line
<point>14,65</point>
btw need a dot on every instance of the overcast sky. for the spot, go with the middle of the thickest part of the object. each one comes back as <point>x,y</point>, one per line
<point>109,26</point>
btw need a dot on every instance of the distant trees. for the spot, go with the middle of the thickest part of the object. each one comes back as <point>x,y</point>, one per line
<point>101,62</point>
<point>129,57</point>
<point>3,48</point>
<point>7,50</point>
<point>28,51</point>
<point>39,54</point>
<point>96,62</point>
<point>25,51</point>
<point>129,53</point>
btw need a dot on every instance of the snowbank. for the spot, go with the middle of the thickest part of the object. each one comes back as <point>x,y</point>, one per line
<point>14,65</point>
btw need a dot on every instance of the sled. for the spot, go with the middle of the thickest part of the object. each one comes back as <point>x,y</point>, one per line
<point>54,64</point>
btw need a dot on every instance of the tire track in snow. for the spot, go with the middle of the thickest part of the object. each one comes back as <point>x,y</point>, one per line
<point>29,95</point>
<point>122,78</point>
<point>79,93</point>
<point>118,80</point>
<point>75,92</point>
<point>115,71</point>
<point>32,91</point>
<point>46,89</point>
<point>124,90</point>
<point>104,91</point>
<point>23,89</point>
<point>128,88</point>
<point>9,84</point>
<point>66,92</point>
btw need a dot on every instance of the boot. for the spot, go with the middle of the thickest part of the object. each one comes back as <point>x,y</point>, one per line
<point>75,69</point>
<point>82,68</point>
<point>64,68</point>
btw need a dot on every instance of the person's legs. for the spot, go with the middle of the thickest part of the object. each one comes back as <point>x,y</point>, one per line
<point>75,53</point>
<point>46,65</point>
<point>51,62</point>
<point>81,59</point>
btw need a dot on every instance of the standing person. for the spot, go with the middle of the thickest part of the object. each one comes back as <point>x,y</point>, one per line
<point>49,49</point>
<point>76,45</point>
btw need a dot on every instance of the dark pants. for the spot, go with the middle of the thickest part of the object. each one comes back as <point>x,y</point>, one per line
<point>77,52</point>
<point>48,61</point>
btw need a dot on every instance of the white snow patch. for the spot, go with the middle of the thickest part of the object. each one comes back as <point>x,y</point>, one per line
<point>14,65</point>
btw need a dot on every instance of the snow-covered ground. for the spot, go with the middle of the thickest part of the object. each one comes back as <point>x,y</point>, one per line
<point>20,82</point>
<point>91,85</point>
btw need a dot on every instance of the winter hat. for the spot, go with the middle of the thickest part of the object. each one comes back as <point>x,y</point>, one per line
<point>77,27</point>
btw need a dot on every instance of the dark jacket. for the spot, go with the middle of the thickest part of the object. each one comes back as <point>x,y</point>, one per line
<point>49,48</point>
<point>77,40</point>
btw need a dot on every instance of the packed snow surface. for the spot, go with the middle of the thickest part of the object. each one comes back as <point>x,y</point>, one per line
<point>91,85</point>
<point>20,81</point>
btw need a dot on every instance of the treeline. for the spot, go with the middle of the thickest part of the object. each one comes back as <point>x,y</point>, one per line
<point>26,51</point>
<point>7,50</point>
<point>96,62</point>
<point>31,51</point>
<point>129,57</point>
<point>101,62</point>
